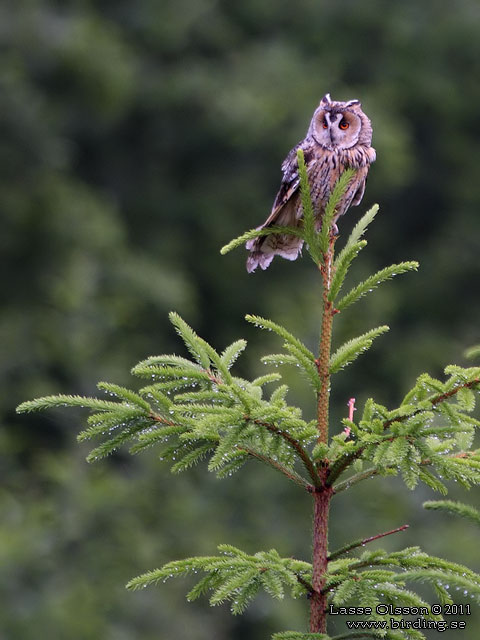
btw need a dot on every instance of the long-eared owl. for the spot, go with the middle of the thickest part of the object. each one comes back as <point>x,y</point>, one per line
<point>339,136</point>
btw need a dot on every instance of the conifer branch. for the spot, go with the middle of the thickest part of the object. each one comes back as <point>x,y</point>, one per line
<point>53,402</point>
<point>310,234</point>
<point>454,508</point>
<point>373,281</point>
<point>361,543</point>
<point>358,477</point>
<point>361,226</point>
<point>157,418</point>
<point>351,349</point>
<point>461,455</point>
<point>288,473</point>
<point>327,229</point>
<point>342,464</point>
<point>347,459</point>
<point>472,352</point>
<point>256,233</point>
<point>344,461</point>
<point>293,443</point>
<point>298,353</point>
<point>341,266</point>
<point>433,401</point>
<point>308,586</point>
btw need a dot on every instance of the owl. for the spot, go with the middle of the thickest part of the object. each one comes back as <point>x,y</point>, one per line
<point>339,136</point>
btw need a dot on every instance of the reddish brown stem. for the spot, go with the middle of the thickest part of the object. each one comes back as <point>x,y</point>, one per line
<point>362,543</point>
<point>323,360</point>
<point>318,602</point>
<point>387,533</point>
<point>156,418</point>
<point>323,366</point>
<point>323,493</point>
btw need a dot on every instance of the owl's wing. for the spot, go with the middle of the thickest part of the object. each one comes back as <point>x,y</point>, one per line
<point>360,186</point>
<point>291,179</point>
<point>361,175</point>
<point>284,213</point>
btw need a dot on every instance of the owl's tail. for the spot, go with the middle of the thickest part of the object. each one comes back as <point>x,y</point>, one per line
<point>265,248</point>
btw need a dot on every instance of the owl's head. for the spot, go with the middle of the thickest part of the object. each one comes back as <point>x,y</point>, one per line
<point>340,125</point>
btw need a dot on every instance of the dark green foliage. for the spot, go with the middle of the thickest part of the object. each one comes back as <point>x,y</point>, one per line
<point>473,352</point>
<point>454,508</point>
<point>235,576</point>
<point>200,408</point>
<point>431,430</point>
<point>373,578</point>
<point>297,353</point>
<point>351,349</point>
<point>197,408</point>
<point>255,233</point>
<point>372,282</point>
<point>354,575</point>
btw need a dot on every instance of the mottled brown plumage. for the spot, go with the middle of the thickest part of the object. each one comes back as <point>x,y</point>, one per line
<point>339,136</point>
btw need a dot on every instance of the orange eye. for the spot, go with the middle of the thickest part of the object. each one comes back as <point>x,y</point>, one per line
<point>344,125</point>
<point>325,125</point>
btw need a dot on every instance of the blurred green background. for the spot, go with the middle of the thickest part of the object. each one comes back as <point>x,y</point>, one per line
<point>137,138</point>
